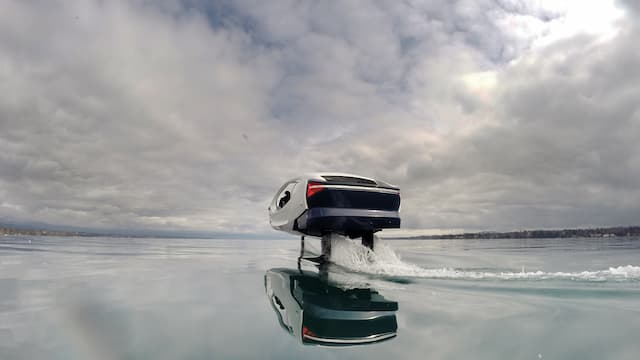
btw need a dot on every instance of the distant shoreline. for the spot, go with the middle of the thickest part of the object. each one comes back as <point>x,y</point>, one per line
<point>22,231</point>
<point>9,231</point>
<point>38,232</point>
<point>606,232</point>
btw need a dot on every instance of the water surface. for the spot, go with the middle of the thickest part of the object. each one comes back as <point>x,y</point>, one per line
<point>111,298</point>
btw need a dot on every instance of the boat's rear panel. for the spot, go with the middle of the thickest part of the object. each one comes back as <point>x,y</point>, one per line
<point>349,209</point>
<point>345,198</point>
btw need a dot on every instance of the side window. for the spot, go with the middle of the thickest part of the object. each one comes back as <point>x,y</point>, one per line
<point>285,195</point>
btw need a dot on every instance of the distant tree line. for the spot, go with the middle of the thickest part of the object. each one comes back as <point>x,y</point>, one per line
<point>619,231</point>
<point>9,230</point>
<point>38,232</point>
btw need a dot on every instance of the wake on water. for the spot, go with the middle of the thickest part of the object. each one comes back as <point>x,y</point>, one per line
<point>385,262</point>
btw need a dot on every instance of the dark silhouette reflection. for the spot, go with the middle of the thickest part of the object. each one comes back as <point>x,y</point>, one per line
<point>316,312</point>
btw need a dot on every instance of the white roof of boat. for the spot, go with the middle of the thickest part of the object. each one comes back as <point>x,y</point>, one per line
<point>319,175</point>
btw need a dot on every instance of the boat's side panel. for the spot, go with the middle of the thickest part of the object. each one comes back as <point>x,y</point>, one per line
<point>282,216</point>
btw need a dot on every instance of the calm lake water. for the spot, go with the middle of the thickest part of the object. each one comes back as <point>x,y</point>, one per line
<point>110,298</point>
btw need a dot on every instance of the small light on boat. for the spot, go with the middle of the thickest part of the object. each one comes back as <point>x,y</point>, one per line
<point>313,187</point>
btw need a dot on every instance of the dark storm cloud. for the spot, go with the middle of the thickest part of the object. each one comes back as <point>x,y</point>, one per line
<point>189,114</point>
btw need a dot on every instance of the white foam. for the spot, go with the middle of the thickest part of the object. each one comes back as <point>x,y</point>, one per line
<point>384,261</point>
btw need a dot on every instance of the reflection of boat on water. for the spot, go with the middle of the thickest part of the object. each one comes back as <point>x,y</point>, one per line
<point>316,312</point>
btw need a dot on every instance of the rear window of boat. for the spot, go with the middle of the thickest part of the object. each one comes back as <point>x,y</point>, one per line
<point>349,180</point>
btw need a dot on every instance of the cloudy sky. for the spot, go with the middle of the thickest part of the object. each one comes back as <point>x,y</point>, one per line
<point>189,114</point>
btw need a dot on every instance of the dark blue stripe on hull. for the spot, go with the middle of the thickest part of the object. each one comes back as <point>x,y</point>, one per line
<point>350,222</point>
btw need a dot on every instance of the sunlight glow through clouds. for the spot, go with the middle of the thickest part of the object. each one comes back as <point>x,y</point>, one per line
<point>566,19</point>
<point>581,17</point>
